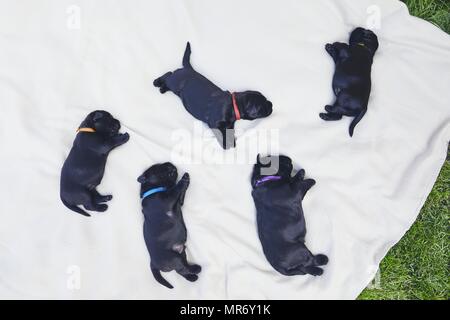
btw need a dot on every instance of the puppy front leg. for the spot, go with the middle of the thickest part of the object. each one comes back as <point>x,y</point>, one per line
<point>302,185</point>
<point>93,206</point>
<point>337,50</point>
<point>179,190</point>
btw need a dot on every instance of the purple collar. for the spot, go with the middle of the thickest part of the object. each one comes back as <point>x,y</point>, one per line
<point>267,178</point>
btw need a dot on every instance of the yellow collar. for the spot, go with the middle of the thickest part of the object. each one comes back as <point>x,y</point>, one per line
<point>85,130</point>
<point>361,44</point>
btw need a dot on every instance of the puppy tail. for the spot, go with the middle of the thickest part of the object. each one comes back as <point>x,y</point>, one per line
<point>187,56</point>
<point>160,279</point>
<point>75,208</point>
<point>355,121</point>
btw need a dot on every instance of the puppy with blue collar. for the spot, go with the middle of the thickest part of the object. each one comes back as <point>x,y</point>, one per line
<point>165,232</point>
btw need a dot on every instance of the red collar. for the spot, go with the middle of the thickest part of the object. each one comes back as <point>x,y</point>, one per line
<point>235,107</point>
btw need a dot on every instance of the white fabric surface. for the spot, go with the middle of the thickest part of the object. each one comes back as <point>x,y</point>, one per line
<point>369,188</point>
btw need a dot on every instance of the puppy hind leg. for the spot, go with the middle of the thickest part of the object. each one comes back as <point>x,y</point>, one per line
<point>314,271</point>
<point>190,277</point>
<point>98,198</point>
<point>161,82</point>
<point>189,272</point>
<point>93,206</point>
<point>330,116</point>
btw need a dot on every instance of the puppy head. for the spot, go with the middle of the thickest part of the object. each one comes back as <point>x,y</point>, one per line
<point>365,37</point>
<point>103,122</point>
<point>253,105</point>
<point>159,175</point>
<point>271,165</point>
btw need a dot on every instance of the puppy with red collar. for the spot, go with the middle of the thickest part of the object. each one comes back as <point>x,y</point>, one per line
<point>208,103</point>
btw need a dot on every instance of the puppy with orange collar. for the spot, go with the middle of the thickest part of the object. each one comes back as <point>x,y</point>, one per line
<point>83,169</point>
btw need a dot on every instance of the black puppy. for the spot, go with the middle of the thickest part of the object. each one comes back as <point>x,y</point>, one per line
<point>164,229</point>
<point>281,224</point>
<point>83,169</point>
<point>208,103</point>
<point>351,81</point>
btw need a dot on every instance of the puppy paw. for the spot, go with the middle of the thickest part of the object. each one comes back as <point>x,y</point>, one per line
<point>301,174</point>
<point>124,137</point>
<point>320,259</point>
<point>163,89</point>
<point>191,277</point>
<point>101,207</point>
<point>329,108</point>
<point>104,198</point>
<point>314,271</point>
<point>324,116</point>
<point>186,177</point>
<point>195,268</point>
<point>330,48</point>
<point>157,82</point>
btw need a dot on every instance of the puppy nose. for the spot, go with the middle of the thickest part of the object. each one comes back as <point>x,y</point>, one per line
<point>269,108</point>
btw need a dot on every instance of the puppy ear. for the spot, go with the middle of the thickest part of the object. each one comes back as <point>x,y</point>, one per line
<point>97,115</point>
<point>141,179</point>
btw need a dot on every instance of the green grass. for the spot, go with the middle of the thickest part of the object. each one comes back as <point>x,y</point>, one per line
<point>434,11</point>
<point>417,267</point>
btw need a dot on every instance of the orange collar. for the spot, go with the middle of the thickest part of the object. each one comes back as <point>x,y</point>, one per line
<point>86,130</point>
<point>235,107</point>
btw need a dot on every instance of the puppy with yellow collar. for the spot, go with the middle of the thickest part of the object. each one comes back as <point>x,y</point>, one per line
<point>84,167</point>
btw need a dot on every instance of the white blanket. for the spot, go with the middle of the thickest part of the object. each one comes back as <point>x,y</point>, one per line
<point>61,59</point>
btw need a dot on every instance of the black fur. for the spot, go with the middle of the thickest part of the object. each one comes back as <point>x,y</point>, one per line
<point>280,219</point>
<point>351,81</point>
<point>164,229</point>
<point>84,167</point>
<point>210,104</point>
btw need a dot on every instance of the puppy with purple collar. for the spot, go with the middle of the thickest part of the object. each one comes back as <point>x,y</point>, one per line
<point>281,223</point>
<point>165,232</point>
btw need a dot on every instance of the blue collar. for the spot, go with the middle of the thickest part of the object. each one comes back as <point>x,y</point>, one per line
<point>152,191</point>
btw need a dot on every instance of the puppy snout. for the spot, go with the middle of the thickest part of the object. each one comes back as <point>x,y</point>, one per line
<point>171,169</point>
